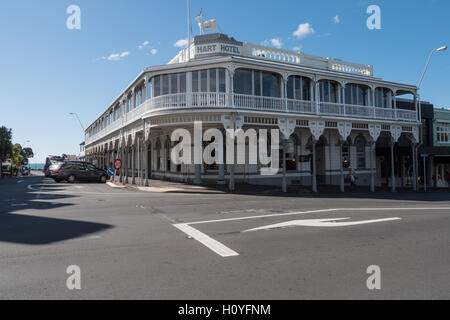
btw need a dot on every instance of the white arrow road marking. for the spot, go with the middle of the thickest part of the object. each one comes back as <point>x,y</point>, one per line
<point>207,241</point>
<point>320,223</point>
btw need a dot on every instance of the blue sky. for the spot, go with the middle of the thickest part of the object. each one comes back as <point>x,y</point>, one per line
<point>48,71</point>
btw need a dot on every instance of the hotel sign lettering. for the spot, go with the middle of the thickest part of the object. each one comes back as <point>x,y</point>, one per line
<point>217,48</point>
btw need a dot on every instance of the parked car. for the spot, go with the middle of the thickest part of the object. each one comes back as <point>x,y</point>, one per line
<point>72,171</point>
<point>52,160</point>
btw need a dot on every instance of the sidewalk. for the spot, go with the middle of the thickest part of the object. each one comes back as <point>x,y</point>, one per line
<point>164,186</point>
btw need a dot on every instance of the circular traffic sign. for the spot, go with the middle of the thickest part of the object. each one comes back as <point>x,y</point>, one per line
<point>117,164</point>
<point>112,172</point>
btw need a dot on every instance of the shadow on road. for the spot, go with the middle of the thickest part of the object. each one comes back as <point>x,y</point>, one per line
<point>324,192</point>
<point>34,229</point>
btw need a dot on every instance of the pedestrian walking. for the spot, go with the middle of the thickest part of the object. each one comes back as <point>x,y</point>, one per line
<point>353,178</point>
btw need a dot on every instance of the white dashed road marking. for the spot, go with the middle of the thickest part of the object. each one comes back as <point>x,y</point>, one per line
<point>207,241</point>
<point>224,251</point>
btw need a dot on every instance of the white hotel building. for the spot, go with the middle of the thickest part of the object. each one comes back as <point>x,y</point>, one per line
<point>344,117</point>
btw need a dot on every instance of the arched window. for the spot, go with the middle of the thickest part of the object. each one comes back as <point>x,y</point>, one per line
<point>382,97</point>
<point>357,94</point>
<point>299,88</point>
<point>258,83</point>
<point>360,144</point>
<point>328,91</point>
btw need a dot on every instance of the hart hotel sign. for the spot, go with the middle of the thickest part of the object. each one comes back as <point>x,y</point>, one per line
<point>217,48</point>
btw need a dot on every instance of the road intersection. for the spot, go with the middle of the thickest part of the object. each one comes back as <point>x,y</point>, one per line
<point>172,245</point>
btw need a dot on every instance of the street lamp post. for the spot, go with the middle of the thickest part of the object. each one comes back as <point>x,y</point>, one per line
<point>79,121</point>
<point>443,48</point>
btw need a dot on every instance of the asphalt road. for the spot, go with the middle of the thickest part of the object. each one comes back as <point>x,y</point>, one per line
<point>140,245</point>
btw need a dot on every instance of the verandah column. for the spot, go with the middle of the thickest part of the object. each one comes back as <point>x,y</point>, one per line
<point>146,164</point>
<point>341,167</point>
<point>414,164</point>
<point>198,154</point>
<point>314,169</point>
<point>372,173</point>
<point>139,175</point>
<point>393,183</point>
<point>133,165</point>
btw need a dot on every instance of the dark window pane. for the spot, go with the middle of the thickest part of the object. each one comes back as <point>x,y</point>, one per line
<point>354,95</point>
<point>271,85</point>
<point>157,82</point>
<point>174,83</point>
<point>212,80</point>
<point>333,92</point>
<point>306,89</point>
<point>290,88</point>
<point>182,82</point>
<point>325,91</point>
<point>222,83</point>
<point>195,81</point>
<point>348,94</point>
<point>257,83</point>
<point>165,84</point>
<point>243,81</point>
<point>298,88</point>
<point>204,80</point>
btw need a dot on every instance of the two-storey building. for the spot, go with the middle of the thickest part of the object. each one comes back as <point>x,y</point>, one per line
<point>440,157</point>
<point>344,116</point>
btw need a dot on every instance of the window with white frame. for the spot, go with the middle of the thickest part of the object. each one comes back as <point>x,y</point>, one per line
<point>328,91</point>
<point>298,88</point>
<point>357,94</point>
<point>382,97</point>
<point>209,80</point>
<point>443,133</point>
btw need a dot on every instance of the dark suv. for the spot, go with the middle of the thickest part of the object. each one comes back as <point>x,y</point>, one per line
<point>72,171</point>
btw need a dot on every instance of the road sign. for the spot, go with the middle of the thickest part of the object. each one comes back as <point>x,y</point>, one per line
<point>117,164</point>
<point>112,172</point>
<point>424,155</point>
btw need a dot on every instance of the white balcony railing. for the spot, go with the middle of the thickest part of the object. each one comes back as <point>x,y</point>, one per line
<point>210,101</point>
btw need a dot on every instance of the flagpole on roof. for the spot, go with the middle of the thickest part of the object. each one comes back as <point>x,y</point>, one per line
<point>189,31</point>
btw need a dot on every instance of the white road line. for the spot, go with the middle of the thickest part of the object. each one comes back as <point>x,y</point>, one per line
<point>19,205</point>
<point>317,211</point>
<point>262,216</point>
<point>207,241</point>
<point>20,181</point>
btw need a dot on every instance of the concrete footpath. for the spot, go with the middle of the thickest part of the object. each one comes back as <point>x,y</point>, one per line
<point>164,186</point>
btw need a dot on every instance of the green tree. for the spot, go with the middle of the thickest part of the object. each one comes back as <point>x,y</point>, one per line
<point>5,146</point>
<point>5,143</point>
<point>27,154</point>
<point>16,155</point>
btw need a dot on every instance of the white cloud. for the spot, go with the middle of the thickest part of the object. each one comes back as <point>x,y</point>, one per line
<point>181,43</point>
<point>154,51</point>
<point>116,56</point>
<point>144,44</point>
<point>276,42</point>
<point>336,19</point>
<point>303,30</point>
<point>297,48</point>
